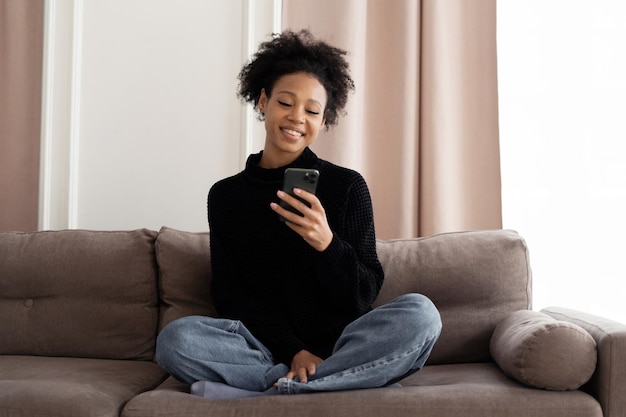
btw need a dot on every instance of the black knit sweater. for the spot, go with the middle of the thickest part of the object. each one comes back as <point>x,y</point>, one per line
<point>290,296</point>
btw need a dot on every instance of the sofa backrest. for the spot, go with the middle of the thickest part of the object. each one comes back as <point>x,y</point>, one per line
<point>474,278</point>
<point>101,294</point>
<point>78,293</point>
<point>184,261</point>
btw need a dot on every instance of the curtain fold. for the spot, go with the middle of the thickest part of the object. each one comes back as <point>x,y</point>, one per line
<point>21,57</point>
<point>422,126</point>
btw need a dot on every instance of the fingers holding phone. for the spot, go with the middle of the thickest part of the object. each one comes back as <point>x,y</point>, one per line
<point>301,210</point>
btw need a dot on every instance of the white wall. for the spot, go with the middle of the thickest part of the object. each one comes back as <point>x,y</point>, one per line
<point>562,84</point>
<point>140,110</point>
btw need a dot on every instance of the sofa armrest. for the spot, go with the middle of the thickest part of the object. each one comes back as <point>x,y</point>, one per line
<point>608,383</point>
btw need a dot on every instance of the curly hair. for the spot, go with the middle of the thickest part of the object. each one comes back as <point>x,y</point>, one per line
<point>290,52</point>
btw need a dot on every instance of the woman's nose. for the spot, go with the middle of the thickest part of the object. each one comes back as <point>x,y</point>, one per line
<point>297,114</point>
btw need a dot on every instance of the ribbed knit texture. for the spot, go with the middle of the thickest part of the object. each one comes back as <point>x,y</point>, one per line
<point>290,296</point>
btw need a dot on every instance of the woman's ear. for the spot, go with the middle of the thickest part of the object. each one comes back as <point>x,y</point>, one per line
<point>262,102</point>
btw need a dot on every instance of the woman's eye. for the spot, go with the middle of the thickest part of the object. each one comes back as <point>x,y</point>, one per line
<point>287,104</point>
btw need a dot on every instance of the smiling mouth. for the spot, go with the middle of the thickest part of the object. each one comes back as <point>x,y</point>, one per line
<point>292,132</point>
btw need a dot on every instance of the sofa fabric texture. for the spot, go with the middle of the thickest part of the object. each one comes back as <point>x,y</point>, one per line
<point>184,275</point>
<point>481,274</point>
<point>543,352</point>
<point>36,386</point>
<point>608,382</point>
<point>81,311</point>
<point>79,294</point>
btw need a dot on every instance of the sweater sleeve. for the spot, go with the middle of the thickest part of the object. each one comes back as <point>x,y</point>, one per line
<point>349,268</point>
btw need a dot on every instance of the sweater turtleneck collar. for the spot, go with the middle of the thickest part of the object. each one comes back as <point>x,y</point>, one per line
<point>308,159</point>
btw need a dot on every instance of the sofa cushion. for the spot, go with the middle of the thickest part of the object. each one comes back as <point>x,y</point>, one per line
<point>474,278</point>
<point>468,390</point>
<point>184,261</point>
<point>44,386</point>
<point>543,352</point>
<point>78,293</point>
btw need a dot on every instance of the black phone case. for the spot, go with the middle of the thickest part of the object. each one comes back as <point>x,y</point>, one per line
<point>303,178</point>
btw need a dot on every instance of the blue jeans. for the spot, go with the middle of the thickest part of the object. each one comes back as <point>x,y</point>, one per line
<point>380,348</point>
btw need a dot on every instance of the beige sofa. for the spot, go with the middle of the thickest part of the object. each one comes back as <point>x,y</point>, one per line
<point>81,310</point>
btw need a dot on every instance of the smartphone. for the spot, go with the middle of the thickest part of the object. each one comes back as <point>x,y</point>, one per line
<point>305,179</point>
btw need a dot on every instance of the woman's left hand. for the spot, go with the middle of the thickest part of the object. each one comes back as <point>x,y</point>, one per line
<point>303,365</point>
<point>313,225</point>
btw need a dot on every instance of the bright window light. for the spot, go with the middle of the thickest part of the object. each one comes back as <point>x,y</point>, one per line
<point>562,101</point>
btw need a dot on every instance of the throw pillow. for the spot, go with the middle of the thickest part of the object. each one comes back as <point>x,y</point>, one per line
<point>542,352</point>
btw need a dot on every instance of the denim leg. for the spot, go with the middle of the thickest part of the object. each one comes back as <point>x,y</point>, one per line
<point>198,348</point>
<point>382,347</point>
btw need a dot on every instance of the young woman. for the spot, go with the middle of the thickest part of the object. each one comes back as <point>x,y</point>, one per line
<point>294,297</point>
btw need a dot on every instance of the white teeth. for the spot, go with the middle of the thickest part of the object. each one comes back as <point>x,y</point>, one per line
<point>293,132</point>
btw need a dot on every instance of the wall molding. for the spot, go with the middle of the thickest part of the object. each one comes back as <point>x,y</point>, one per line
<point>56,115</point>
<point>257,21</point>
<point>75,94</point>
<point>45,170</point>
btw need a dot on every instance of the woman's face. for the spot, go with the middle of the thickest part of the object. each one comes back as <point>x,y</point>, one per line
<point>294,115</point>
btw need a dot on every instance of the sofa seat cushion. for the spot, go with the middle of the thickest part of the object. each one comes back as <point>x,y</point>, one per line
<point>543,352</point>
<point>44,386</point>
<point>470,390</point>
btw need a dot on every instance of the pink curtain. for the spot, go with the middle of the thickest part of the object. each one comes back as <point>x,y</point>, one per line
<point>21,51</point>
<point>422,126</point>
